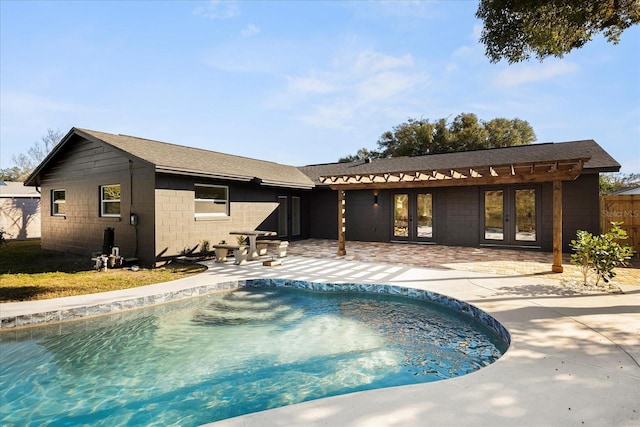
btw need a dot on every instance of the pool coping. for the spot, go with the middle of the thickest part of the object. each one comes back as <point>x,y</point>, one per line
<point>116,306</point>
<point>573,358</point>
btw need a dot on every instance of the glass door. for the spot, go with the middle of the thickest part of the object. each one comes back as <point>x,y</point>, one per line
<point>295,216</point>
<point>424,216</point>
<point>289,216</point>
<point>283,216</point>
<point>413,216</point>
<point>401,216</point>
<point>510,216</point>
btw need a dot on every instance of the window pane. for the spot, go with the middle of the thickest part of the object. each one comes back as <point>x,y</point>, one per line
<point>295,216</point>
<point>211,200</point>
<point>211,207</point>
<point>58,195</point>
<point>401,215</point>
<point>493,215</point>
<point>283,208</point>
<point>211,193</point>
<point>111,208</point>
<point>526,215</point>
<point>59,208</point>
<point>425,215</point>
<point>111,192</point>
<point>58,202</point>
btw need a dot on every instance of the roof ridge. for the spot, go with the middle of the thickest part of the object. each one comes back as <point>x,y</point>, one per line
<point>190,147</point>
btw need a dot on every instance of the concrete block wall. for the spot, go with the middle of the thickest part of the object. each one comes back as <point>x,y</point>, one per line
<point>177,227</point>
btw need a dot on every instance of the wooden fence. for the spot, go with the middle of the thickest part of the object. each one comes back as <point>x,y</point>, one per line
<point>625,209</point>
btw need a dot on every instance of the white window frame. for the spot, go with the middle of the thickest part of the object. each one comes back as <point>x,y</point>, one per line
<point>219,201</point>
<point>56,203</point>
<point>103,201</point>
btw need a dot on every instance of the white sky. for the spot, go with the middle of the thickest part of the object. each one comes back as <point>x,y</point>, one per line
<point>293,82</point>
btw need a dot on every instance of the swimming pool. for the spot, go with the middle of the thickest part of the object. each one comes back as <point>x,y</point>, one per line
<point>199,360</point>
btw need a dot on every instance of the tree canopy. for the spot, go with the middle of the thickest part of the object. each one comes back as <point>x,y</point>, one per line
<point>516,29</point>
<point>615,182</point>
<point>25,163</point>
<point>466,132</point>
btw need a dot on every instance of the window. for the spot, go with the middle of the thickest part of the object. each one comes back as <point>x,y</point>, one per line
<point>211,200</point>
<point>58,207</point>
<point>110,200</point>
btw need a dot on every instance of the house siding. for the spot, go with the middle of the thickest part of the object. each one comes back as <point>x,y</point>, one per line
<point>580,207</point>
<point>457,216</point>
<point>457,213</point>
<point>83,168</point>
<point>251,207</point>
<point>323,214</point>
<point>20,217</point>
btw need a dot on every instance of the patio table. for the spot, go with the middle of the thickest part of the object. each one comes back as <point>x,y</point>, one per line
<point>252,235</point>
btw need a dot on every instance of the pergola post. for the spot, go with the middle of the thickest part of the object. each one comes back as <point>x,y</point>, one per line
<point>342,227</point>
<point>557,227</point>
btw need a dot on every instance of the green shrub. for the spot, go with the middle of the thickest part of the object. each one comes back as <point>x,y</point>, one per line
<point>600,254</point>
<point>205,246</point>
<point>583,250</point>
<point>3,240</point>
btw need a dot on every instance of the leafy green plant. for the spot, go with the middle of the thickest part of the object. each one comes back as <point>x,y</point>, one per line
<point>3,240</point>
<point>242,240</point>
<point>583,250</point>
<point>600,254</point>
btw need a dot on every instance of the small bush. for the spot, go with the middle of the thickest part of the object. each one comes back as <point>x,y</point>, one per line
<point>600,254</point>
<point>3,240</point>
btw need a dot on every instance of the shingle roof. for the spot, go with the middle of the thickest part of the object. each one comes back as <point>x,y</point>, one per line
<point>599,160</point>
<point>17,189</point>
<point>172,158</point>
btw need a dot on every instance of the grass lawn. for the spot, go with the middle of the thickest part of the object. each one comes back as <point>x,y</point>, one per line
<point>29,273</point>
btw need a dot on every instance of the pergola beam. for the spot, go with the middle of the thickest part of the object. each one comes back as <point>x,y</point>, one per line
<point>557,227</point>
<point>458,182</point>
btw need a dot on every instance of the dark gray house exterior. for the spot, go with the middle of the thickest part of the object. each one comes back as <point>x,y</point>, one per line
<point>493,197</point>
<point>161,198</point>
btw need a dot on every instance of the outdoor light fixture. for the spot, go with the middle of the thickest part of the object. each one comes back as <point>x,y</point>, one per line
<point>375,198</point>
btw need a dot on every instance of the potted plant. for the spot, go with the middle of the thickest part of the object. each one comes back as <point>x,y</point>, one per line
<point>221,253</point>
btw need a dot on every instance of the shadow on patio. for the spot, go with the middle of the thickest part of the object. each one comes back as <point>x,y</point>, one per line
<point>481,260</point>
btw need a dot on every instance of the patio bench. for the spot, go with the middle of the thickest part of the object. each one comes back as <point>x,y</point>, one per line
<point>280,246</point>
<point>239,253</point>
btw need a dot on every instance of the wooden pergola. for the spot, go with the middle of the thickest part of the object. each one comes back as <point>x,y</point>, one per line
<point>514,173</point>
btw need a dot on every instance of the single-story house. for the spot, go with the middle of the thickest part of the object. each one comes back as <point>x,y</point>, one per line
<point>161,198</point>
<point>19,211</point>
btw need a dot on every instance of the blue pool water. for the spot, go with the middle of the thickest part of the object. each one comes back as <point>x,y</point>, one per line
<point>231,353</point>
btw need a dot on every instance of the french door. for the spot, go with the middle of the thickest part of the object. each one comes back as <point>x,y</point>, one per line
<point>511,216</point>
<point>413,216</point>
<point>289,213</point>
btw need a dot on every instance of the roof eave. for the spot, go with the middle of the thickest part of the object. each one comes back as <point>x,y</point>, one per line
<point>231,177</point>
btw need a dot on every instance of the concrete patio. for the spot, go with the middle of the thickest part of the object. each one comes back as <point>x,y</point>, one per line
<point>574,358</point>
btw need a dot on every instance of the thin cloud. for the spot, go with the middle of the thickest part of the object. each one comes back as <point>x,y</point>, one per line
<point>357,85</point>
<point>250,30</point>
<point>309,85</point>
<point>519,75</point>
<point>217,9</point>
<point>29,104</point>
<point>374,61</point>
